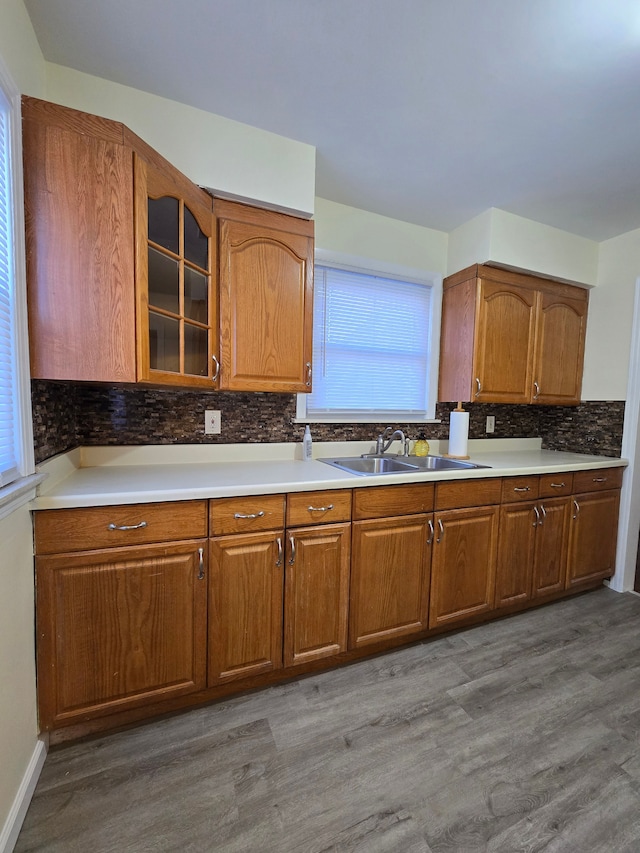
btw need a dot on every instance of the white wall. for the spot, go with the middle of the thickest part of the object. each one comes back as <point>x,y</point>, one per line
<point>18,719</point>
<point>211,150</point>
<point>608,346</point>
<point>19,746</point>
<point>20,50</point>
<point>514,241</point>
<point>350,231</point>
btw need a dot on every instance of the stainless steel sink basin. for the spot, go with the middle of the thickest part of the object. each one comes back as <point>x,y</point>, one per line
<point>442,463</point>
<point>369,465</point>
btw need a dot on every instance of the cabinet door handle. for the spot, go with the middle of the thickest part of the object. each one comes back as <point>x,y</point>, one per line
<point>577,508</point>
<point>249,515</point>
<point>544,514</point>
<point>557,485</point>
<point>537,518</point>
<point>308,382</point>
<point>600,479</point>
<point>216,372</point>
<point>440,531</point>
<point>479,387</point>
<point>292,544</point>
<point>200,564</point>
<point>537,390</point>
<point>279,544</point>
<point>138,526</point>
<point>320,508</point>
<point>521,489</point>
<point>430,538</point>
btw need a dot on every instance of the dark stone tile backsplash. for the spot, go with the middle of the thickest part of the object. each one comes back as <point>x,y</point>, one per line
<point>67,415</point>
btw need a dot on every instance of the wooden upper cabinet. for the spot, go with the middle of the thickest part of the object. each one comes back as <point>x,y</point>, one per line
<point>266,299</point>
<point>511,338</point>
<point>562,323</point>
<point>78,177</point>
<point>505,343</point>
<point>121,265</point>
<point>176,310</point>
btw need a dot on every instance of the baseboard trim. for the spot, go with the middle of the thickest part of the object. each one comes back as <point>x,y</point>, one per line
<point>18,811</point>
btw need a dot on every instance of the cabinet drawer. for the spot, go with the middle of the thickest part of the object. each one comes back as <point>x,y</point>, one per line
<point>246,515</point>
<point>318,507</point>
<point>463,493</point>
<point>383,501</point>
<point>556,485</point>
<point>516,489</point>
<point>59,531</point>
<point>594,481</point>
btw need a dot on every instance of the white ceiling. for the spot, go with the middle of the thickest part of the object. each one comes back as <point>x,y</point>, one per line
<point>428,111</point>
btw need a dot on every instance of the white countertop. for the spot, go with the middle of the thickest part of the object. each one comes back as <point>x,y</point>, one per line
<point>124,475</point>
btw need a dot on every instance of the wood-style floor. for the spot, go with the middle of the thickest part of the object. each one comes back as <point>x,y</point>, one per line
<point>517,736</point>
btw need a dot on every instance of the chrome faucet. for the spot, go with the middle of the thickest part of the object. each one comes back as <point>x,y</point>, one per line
<point>384,441</point>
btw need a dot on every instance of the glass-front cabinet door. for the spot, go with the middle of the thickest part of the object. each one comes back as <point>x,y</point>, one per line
<point>175,280</point>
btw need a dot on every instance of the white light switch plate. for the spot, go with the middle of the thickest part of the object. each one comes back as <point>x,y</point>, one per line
<point>491,423</point>
<point>212,422</point>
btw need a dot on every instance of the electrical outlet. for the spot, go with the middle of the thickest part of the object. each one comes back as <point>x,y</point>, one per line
<point>491,423</point>
<point>212,422</point>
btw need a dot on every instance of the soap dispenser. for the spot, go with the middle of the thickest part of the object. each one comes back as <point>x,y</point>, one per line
<point>421,446</point>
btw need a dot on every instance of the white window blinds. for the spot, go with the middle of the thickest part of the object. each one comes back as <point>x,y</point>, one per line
<point>8,408</point>
<point>371,352</point>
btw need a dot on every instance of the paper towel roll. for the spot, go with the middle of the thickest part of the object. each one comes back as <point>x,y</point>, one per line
<point>458,434</point>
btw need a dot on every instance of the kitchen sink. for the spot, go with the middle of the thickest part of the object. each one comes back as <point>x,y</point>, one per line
<point>369,465</point>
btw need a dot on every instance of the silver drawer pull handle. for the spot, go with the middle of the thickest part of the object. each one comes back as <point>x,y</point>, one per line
<point>216,372</point>
<point>319,508</point>
<point>544,514</point>
<point>557,485</point>
<point>521,489</point>
<point>441,531</point>
<point>200,564</point>
<point>430,539</point>
<point>537,518</point>
<point>249,515</point>
<point>577,509</point>
<point>138,526</point>
<point>599,479</point>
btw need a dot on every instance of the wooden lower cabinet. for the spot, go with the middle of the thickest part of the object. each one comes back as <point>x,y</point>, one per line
<point>316,597</point>
<point>552,540</point>
<point>119,628</point>
<point>593,537</point>
<point>532,550</point>
<point>389,578</point>
<point>463,567</point>
<point>245,605</point>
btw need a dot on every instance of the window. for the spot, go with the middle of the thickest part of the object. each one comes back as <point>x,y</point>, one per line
<point>373,347</point>
<point>16,452</point>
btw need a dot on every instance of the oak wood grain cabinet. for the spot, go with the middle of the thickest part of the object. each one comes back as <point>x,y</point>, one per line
<point>533,539</point>
<point>317,572</point>
<point>390,575</point>
<point>593,526</point>
<point>463,568</point>
<point>120,256</point>
<point>119,626</point>
<point>266,299</point>
<point>508,337</point>
<point>245,587</point>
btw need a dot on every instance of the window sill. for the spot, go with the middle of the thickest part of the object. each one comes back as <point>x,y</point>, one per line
<point>18,493</point>
<point>369,419</point>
